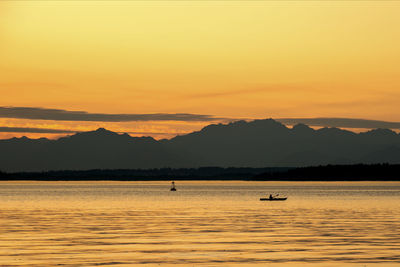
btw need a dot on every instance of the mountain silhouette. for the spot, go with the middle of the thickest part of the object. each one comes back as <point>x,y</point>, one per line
<point>259,143</point>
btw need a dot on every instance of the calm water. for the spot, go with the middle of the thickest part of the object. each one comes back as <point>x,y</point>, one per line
<point>202,224</point>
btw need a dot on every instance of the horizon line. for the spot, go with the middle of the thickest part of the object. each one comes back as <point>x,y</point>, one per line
<point>315,122</point>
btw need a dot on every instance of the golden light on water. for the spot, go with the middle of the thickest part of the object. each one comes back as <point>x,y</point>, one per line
<point>203,223</point>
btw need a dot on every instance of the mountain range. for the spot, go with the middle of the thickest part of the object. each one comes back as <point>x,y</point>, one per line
<point>259,143</point>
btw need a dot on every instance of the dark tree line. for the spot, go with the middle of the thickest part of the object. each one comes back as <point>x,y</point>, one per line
<point>204,173</point>
<point>357,172</point>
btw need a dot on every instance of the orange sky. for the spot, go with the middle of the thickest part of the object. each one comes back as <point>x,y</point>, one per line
<point>230,59</point>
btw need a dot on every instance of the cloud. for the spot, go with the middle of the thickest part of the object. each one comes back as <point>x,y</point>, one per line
<point>342,123</point>
<point>323,122</point>
<point>228,93</point>
<point>33,130</point>
<point>66,115</point>
<point>61,131</point>
<point>260,89</point>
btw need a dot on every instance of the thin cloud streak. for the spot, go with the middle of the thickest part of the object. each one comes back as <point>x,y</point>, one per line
<point>265,89</point>
<point>34,130</point>
<point>228,93</point>
<point>66,115</point>
<point>342,123</point>
<point>62,131</point>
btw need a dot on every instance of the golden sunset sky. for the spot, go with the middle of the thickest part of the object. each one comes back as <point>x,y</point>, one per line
<point>225,59</point>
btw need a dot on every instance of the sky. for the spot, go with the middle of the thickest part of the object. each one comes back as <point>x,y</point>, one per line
<point>193,63</point>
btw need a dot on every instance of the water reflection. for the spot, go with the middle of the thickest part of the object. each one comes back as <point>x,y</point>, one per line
<point>203,223</point>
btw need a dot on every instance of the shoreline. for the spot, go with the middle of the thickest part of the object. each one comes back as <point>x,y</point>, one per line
<point>327,173</point>
<point>200,180</point>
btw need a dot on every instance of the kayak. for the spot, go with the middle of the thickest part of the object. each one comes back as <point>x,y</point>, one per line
<point>273,199</point>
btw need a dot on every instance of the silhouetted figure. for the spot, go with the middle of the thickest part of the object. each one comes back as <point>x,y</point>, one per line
<point>270,196</point>
<point>173,186</point>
